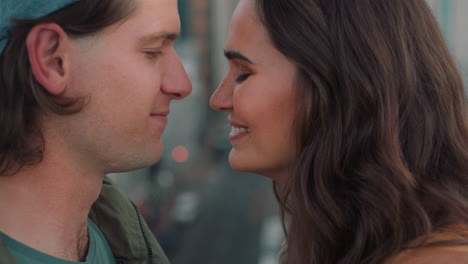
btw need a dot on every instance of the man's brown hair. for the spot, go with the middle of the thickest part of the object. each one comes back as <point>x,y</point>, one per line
<point>22,98</point>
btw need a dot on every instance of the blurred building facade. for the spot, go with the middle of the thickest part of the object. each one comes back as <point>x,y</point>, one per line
<point>452,18</point>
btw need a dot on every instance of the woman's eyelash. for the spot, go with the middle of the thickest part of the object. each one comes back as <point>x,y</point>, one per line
<point>243,77</point>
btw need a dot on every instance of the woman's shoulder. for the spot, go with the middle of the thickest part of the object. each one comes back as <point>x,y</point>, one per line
<point>432,255</point>
<point>456,253</point>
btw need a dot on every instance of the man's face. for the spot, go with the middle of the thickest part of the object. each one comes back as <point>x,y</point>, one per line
<point>129,73</point>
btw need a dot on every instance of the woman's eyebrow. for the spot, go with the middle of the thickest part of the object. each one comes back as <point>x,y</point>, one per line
<point>236,55</point>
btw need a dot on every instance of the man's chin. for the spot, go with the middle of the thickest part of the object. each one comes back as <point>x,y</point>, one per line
<point>136,164</point>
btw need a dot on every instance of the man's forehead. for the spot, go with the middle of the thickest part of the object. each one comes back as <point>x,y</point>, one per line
<point>156,18</point>
<point>152,21</point>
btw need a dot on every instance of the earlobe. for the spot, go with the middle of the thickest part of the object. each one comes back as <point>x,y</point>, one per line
<point>47,47</point>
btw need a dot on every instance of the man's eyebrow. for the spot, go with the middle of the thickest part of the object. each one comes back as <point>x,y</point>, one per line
<point>236,55</point>
<point>158,37</point>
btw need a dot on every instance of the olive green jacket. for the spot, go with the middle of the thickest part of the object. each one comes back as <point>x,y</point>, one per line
<point>123,226</point>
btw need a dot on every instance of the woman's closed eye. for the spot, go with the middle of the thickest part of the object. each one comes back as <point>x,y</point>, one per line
<point>243,77</point>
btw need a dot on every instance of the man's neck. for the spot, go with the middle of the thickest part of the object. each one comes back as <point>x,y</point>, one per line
<point>46,207</point>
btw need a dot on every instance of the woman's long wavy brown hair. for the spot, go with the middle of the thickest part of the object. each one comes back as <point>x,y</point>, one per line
<point>382,132</point>
<point>22,97</point>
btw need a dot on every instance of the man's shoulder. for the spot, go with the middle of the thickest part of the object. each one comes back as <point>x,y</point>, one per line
<point>123,226</point>
<point>111,196</point>
<point>5,256</point>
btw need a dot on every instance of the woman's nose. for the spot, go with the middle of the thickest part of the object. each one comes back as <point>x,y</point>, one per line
<point>221,99</point>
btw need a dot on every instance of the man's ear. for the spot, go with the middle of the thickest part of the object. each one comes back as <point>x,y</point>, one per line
<point>47,46</point>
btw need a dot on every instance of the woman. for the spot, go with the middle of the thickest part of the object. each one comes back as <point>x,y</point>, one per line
<point>357,111</point>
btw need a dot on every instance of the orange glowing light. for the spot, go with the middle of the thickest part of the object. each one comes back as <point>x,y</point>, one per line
<point>180,154</point>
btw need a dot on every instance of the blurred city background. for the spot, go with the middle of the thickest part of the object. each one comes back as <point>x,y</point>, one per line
<point>198,207</point>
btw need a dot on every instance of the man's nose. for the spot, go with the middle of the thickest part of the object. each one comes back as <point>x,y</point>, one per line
<point>175,81</point>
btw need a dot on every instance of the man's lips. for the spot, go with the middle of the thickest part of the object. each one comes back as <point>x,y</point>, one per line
<point>160,117</point>
<point>160,114</point>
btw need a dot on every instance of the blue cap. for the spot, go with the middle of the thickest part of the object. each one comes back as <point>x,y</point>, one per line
<point>25,9</point>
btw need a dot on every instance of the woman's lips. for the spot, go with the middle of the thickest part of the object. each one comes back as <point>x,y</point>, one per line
<point>238,131</point>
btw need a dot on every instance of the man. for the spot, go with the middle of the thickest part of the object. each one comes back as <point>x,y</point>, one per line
<point>85,88</point>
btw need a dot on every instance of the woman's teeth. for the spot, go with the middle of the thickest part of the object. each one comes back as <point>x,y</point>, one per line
<point>238,130</point>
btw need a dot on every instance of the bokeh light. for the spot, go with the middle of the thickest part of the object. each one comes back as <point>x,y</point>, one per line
<point>180,154</point>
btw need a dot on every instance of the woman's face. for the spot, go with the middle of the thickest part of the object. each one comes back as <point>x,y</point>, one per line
<point>258,93</point>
